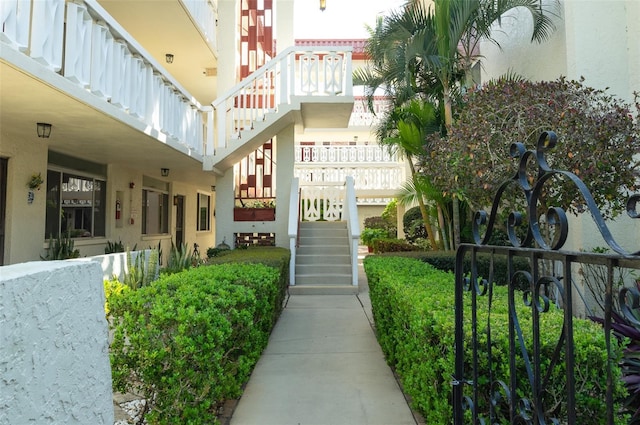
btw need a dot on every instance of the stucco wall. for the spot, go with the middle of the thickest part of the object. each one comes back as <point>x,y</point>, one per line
<point>24,222</point>
<point>54,358</point>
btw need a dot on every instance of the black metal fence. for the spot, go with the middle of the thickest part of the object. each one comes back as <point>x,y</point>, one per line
<point>538,374</point>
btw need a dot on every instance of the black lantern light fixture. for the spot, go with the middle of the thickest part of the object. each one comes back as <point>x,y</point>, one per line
<point>168,57</point>
<point>164,172</point>
<point>43,129</point>
<point>323,5</point>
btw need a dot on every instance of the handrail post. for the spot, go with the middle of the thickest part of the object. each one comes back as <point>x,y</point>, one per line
<point>351,211</point>
<point>294,202</point>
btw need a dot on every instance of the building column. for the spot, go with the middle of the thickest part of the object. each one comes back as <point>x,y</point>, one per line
<point>285,158</point>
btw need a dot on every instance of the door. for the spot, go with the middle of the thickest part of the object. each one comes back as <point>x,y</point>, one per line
<point>179,203</point>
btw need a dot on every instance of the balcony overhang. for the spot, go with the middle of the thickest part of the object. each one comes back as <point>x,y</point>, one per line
<point>325,112</point>
<point>303,112</point>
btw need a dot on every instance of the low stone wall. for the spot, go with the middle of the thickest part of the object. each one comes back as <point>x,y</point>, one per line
<point>116,264</point>
<point>54,354</point>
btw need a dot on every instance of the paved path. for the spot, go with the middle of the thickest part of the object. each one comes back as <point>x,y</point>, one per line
<point>323,366</point>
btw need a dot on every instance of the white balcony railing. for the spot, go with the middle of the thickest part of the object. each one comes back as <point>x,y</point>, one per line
<point>318,71</point>
<point>84,44</point>
<point>373,168</point>
<point>363,117</point>
<point>205,14</point>
<point>344,154</point>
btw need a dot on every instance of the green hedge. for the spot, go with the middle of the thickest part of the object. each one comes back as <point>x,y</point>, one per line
<point>414,313</point>
<point>189,341</point>
<point>446,261</point>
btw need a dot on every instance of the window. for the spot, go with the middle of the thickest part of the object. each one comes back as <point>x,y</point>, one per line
<point>75,205</point>
<point>204,206</point>
<point>155,212</point>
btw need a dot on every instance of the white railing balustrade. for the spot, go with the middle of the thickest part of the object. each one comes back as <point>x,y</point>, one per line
<point>205,15</point>
<point>322,201</point>
<point>367,177</point>
<point>343,154</point>
<point>361,116</point>
<point>293,73</point>
<point>100,56</point>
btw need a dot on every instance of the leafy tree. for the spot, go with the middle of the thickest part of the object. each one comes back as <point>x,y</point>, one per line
<point>426,51</point>
<point>598,141</point>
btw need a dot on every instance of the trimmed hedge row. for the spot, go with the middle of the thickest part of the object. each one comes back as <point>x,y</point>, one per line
<point>414,313</point>
<point>190,340</point>
<point>446,261</point>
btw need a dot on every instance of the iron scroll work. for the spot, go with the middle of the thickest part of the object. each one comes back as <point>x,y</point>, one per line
<point>552,283</point>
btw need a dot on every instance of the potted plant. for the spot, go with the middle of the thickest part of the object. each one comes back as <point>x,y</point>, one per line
<point>259,210</point>
<point>35,181</point>
<point>369,235</point>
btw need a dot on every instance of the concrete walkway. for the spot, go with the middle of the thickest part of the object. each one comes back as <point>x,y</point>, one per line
<point>323,366</point>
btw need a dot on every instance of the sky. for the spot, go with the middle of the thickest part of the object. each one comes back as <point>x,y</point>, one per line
<point>341,18</point>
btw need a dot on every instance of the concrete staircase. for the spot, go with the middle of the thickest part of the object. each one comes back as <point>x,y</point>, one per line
<point>323,260</point>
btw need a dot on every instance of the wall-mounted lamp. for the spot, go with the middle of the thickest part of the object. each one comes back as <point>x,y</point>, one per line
<point>44,130</point>
<point>323,5</point>
<point>132,185</point>
<point>168,57</point>
<point>213,188</point>
<point>164,172</point>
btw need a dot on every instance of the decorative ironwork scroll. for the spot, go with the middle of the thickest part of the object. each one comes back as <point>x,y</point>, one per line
<point>549,283</point>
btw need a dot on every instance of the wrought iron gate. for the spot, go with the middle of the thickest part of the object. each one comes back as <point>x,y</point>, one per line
<point>550,278</point>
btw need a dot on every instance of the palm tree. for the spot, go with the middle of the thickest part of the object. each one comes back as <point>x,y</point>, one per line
<point>427,51</point>
<point>413,122</point>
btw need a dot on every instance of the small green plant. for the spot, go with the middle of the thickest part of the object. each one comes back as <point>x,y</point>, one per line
<point>112,287</point>
<point>180,258</point>
<point>113,247</point>
<point>138,273</point>
<point>35,181</point>
<point>368,235</point>
<point>61,248</point>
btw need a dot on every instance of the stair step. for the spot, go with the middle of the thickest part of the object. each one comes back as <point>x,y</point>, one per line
<point>320,232</point>
<point>323,279</point>
<point>323,290</point>
<point>322,259</point>
<point>323,229</point>
<point>326,268</point>
<point>324,224</point>
<point>323,250</point>
<point>324,240</point>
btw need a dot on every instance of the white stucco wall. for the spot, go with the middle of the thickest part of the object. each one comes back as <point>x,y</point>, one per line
<point>24,221</point>
<point>54,359</point>
<point>515,53</point>
<point>595,39</point>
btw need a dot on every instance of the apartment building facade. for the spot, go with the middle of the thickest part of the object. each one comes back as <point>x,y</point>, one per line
<point>147,109</point>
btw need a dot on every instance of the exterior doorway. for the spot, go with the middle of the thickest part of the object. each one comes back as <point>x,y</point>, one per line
<point>178,201</point>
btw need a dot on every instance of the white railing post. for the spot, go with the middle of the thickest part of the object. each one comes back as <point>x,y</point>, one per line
<point>294,218</point>
<point>350,214</point>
